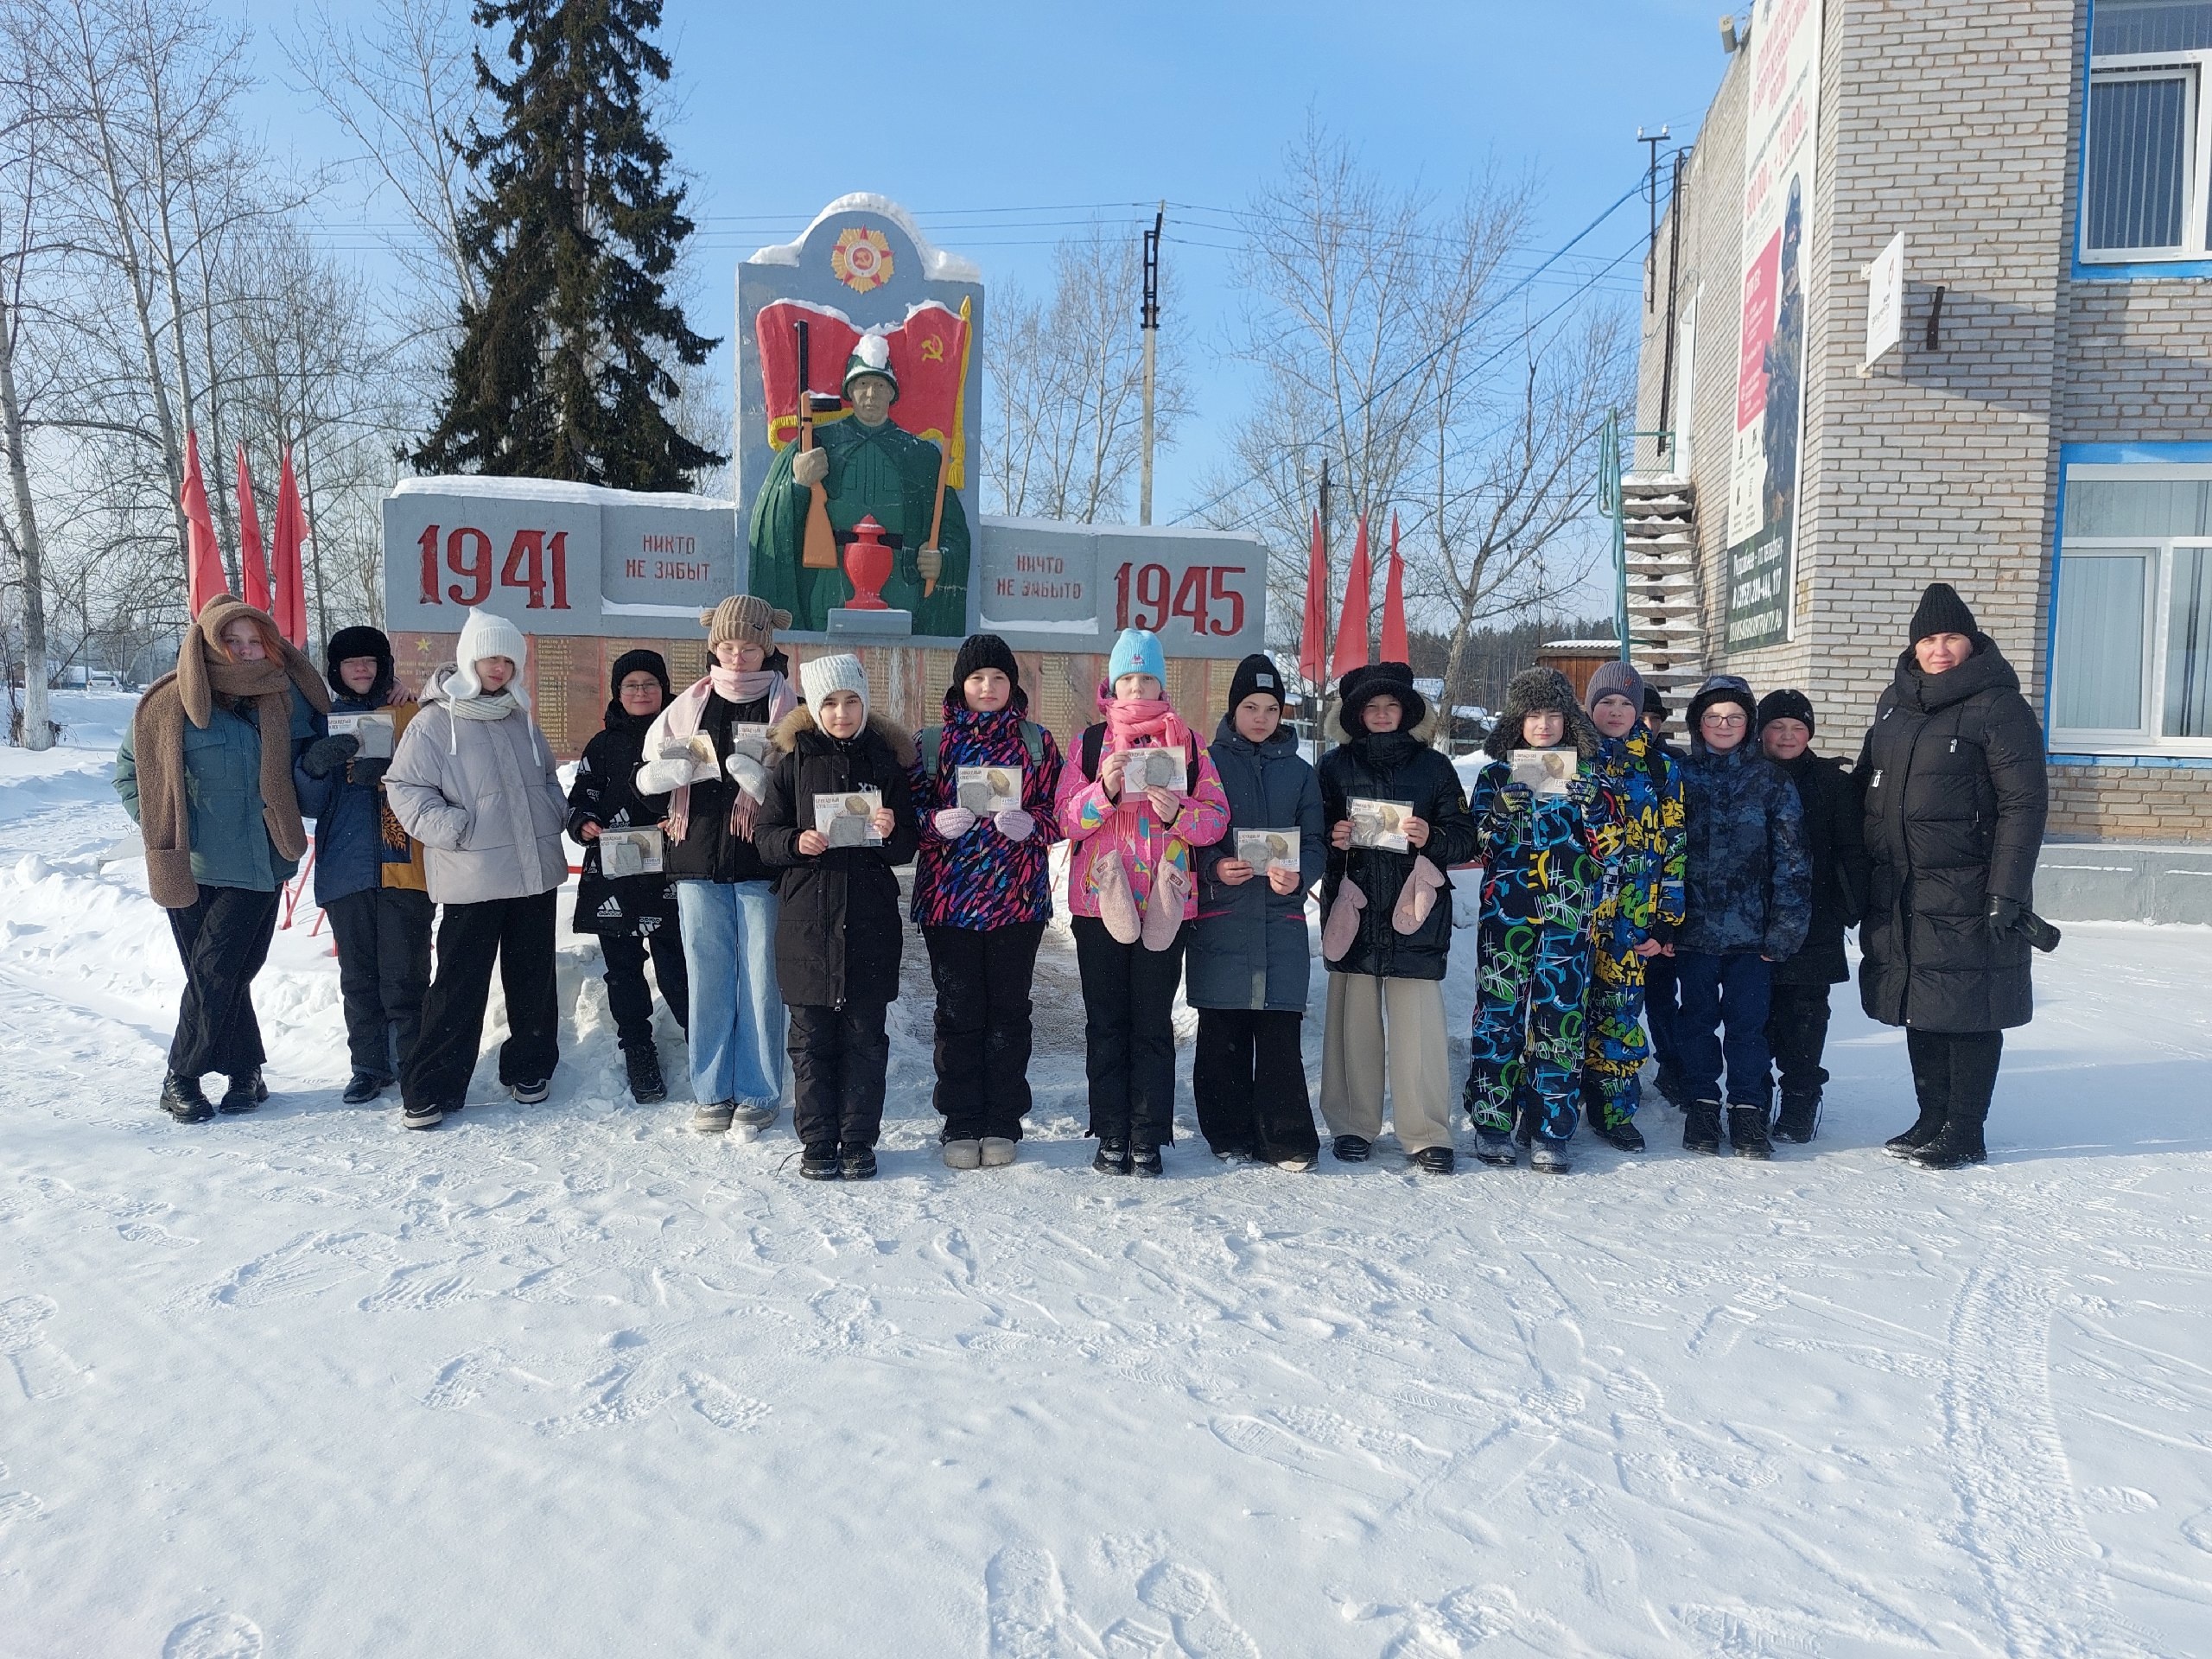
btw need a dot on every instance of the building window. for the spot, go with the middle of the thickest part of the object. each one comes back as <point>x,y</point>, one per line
<point>2132,648</point>
<point>2147,164</point>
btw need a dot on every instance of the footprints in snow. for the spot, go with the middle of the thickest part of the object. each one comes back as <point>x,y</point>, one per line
<point>1027,1616</point>
<point>214,1635</point>
<point>42,1370</point>
<point>624,1393</point>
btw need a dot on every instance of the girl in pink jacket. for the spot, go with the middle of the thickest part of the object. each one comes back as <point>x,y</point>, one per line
<point>1129,886</point>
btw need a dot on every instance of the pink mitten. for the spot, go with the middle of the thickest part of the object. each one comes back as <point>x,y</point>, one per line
<point>1117,905</point>
<point>1163,908</point>
<point>1418,897</point>
<point>1342,925</point>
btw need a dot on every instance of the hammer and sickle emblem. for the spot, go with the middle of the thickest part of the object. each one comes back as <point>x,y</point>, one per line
<point>933,349</point>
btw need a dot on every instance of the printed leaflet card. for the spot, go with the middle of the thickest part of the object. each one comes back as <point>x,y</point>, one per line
<point>842,818</point>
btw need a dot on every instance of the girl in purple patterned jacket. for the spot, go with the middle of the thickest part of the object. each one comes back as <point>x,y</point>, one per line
<point>982,894</point>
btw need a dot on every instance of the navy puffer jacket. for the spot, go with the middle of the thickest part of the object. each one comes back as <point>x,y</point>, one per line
<point>1749,882</point>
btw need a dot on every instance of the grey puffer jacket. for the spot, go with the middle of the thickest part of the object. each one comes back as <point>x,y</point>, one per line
<point>482,798</point>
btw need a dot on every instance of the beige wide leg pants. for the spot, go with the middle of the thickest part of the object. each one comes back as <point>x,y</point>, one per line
<point>1373,1024</point>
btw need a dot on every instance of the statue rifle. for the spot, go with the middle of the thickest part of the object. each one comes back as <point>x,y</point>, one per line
<point>937,517</point>
<point>818,547</point>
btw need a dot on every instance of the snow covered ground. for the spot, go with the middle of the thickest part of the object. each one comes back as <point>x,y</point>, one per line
<point>566,1380</point>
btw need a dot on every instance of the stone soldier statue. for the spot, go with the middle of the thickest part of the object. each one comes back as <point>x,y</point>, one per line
<point>868,467</point>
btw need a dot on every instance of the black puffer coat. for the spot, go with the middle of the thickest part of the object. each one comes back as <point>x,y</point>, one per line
<point>1249,949</point>
<point>838,930</point>
<point>1952,772</point>
<point>1394,766</point>
<point>709,851</point>
<point>1837,847</point>
<point>606,793</point>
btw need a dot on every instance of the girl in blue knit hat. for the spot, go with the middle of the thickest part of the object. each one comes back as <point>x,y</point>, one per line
<point>1142,795</point>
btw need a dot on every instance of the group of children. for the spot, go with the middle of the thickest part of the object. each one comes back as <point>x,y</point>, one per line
<point>1716,880</point>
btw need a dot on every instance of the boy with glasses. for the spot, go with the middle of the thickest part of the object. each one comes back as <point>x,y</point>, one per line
<point>1748,904</point>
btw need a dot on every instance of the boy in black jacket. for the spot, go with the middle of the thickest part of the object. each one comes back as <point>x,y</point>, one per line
<point>838,935</point>
<point>632,915</point>
<point>1797,1016</point>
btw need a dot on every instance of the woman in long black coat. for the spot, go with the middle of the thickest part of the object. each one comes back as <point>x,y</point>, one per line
<point>1952,772</point>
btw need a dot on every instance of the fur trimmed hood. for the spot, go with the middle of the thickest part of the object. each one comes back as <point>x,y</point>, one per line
<point>801,720</point>
<point>1541,691</point>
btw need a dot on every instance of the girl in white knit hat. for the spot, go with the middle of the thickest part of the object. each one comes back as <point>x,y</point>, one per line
<point>473,781</point>
<point>839,817</point>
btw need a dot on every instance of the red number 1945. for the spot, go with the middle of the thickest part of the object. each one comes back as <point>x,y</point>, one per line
<point>1203,587</point>
<point>534,562</point>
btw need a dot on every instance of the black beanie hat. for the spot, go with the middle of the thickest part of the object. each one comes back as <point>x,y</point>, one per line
<point>349,643</point>
<point>1942,611</point>
<point>1784,705</point>
<point>1653,702</point>
<point>629,662</point>
<point>1256,676</point>
<point>982,651</point>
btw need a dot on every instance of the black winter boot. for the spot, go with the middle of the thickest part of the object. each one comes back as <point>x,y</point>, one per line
<point>642,1063</point>
<point>1925,1129</point>
<point>1799,1119</point>
<point>1145,1161</point>
<point>1351,1148</point>
<point>820,1164</point>
<point>857,1163</point>
<point>246,1092</point>
<point>1959,1145</point>
<point>181,1100</point>
<point>1113,1158</point>
<point>1620,1132</point>
<point>365,1087</point>
<point>1701,1127</point>
<point>1747,1133</point>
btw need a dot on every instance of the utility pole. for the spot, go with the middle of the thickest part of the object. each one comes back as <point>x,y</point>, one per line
<point>1321,689</point>
<point>1150,320</point>
<point>1652,142</point>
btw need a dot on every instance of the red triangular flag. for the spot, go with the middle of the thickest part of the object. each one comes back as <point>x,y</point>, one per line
<point>291,530</point>
<point>1313,631</point>
<point>203,561</point>
<point>253,558</point>
<point>1352,626</point>
<point>1395,649</point>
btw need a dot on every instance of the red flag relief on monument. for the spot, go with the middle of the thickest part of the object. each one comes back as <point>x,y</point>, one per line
<point>929,359</point>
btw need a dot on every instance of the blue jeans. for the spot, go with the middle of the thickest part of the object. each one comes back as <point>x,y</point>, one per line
<point>1724,1014</point>
<point>737,1013</point>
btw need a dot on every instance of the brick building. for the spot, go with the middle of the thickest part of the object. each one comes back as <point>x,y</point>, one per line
<point>2042,435</point>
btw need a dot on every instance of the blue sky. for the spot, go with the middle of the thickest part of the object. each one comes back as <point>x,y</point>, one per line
<point>1005,125</point>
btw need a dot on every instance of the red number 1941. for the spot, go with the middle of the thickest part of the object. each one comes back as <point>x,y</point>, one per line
<point>534,562</point>
<point>1203,587</point>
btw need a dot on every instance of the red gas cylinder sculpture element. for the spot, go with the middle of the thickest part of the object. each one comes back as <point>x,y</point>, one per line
<point>867,566</point>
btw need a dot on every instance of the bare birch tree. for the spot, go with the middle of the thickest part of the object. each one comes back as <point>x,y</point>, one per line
<point>1067,384</point>
<point>1383,326</point>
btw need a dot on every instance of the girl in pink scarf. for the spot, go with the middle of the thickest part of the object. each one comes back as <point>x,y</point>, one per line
<point>1130,889</point>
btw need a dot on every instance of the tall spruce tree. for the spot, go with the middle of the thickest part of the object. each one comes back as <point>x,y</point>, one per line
<point>562,371</point>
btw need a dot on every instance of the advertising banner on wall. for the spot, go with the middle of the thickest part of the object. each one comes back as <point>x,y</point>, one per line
<point>1781,134</point>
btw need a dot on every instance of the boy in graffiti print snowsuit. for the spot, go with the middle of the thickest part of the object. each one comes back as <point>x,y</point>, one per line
<point>1548,861</point>
<point>1638,922</point>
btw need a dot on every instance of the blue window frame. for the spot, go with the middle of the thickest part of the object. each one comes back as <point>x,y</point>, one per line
<point>2147,142</point>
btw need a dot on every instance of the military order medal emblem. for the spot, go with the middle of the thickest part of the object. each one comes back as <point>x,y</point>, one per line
<point>861,259</point>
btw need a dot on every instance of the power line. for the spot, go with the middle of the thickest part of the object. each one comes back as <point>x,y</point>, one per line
<point>1420,364</point>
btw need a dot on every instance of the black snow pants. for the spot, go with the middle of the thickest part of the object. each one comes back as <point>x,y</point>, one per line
<point>982,977</point>
<point>629,998</point>
<point>223,937</point>
<point>1247,1080</point>
<point>1129,1005</point>
<point>518,934</point>
<point>839,1056</point>
<point>383,936</point>
<point>1797,1033</point>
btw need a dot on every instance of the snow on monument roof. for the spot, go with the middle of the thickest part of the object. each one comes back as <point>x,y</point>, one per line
<point>937,265</point>
<point>555,489</point>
